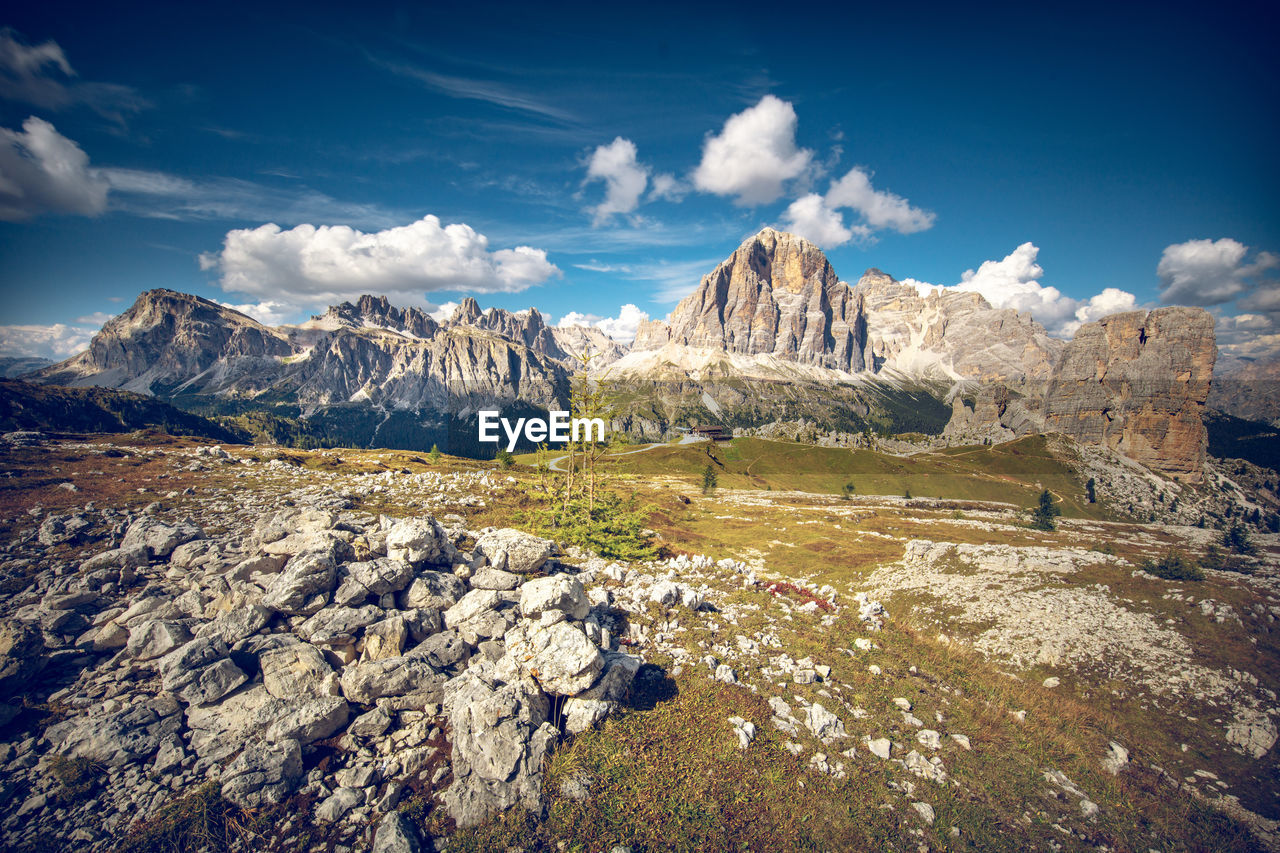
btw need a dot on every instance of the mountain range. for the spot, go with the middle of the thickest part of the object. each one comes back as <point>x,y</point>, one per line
<point>770,333</point>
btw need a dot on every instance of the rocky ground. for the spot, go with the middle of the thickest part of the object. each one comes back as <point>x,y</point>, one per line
<point>344,651</point>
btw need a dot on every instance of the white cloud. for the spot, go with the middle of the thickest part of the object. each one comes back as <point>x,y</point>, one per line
<point>1210,272</point>
<point>41,75</point>
<point>56,341</point>
<point>1247,336</point>
<point>1217,272</point>
<point>477,90</point>
<point>624,178</point>
<point>97,318</point>
<point>1110,301</point>
<point>310,266</point>
<point>596,266</point>
<point>443,312</point>
<point>811,218</point>
<point>667,186</point>
<point>1014,282</point>
<point>621,328</point>
<point>754,154</point>
<point>269,312</point>
<point>818,218</point>
<point>879,209</point>
<point>41,171</point>
<point>160,195</point>
<point>1266,297</point>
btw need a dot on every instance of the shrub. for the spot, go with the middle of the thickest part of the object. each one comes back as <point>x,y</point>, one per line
<point>1173,566</point>
<point>78,777</point>
<point>435,453</point>
<point>1090,491</point>
<point>504,458</point>
<point>709,479</point>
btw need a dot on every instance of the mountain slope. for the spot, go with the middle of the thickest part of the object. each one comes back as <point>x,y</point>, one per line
<point>45,408</point>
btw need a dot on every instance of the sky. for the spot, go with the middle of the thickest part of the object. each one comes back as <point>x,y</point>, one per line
<point>594,161</point>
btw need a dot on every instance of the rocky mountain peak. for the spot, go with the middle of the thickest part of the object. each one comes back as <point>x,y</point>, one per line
<point>164,339</point>
<point>875,277</point>
<point>467,312</point>
<point>776,294</point>
<point>377,312</point>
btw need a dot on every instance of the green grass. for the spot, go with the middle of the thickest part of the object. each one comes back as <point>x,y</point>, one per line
<point>1015,472</point>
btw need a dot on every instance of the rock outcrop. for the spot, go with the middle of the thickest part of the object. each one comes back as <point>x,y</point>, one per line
<point>1137,383</point>
<point>229,657</point>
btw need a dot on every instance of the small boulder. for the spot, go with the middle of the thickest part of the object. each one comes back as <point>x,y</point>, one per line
<point>159,538</point>
<point>304,585</point>
<point>264,773</point>
<point>515,550</point>
<point>558,592</point>
<point>396,835</point>
<point>419,541</point>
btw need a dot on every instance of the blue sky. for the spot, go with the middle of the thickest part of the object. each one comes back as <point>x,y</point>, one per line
<point>579,159</point>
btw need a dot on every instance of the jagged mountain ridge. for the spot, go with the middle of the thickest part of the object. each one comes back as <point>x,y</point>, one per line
<point>777,298</point>
<point>775,310</point>
<point>368,351</point>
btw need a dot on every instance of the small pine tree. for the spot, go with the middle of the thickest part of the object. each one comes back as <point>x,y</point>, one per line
<point>504,458</point>
<point>1090,491</point>
<point>1042,517</point>
<point>1236,539</point>
<point>709,479</point>
<point>435,453</point>
<point>1213,558</point>
<point>1173,566</point>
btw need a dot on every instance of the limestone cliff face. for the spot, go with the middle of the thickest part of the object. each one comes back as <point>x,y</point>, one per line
<point>528,327</point>
<point>949,332</point>
<point>775,295</point>
<point>1137,383</point>
<point>168,339</point>
<point>778,296</point>
<point>362,351</point>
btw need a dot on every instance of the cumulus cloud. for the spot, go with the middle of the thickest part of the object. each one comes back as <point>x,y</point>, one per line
<point>1014,282</point>
<point>667,186</point>
<point>753,155</point>
<point>818,219</point>
<point>621,328</point>
<point>269,312</point>
<point>1209,272</point>
<point>42,76</point>
<point>624,178</point>
<point>1217,273</point>
<point>56,341</point>
<point>811,218</point>
<point>315,266</point>
<point>879,210</point>
<point>42,171</point>
<point>1247,336</point>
